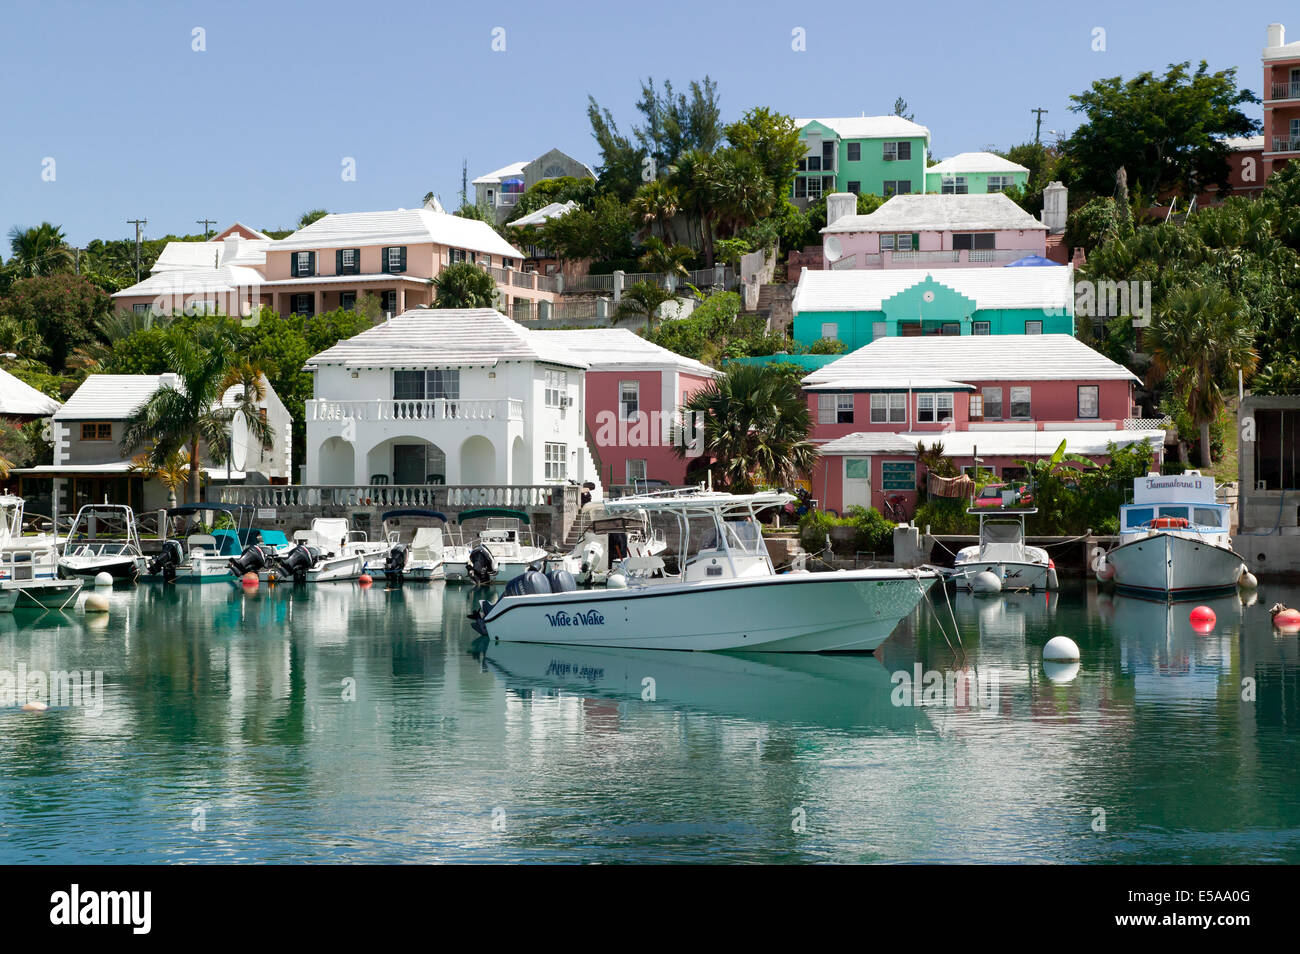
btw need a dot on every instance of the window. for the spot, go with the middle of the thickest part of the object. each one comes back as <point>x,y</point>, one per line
<point>348,261</point>
<point>992,404</point>
<point>347,300</point>
<point>557,456</point>
<point>953,185</point>
<point>933,408</point>
<point>855,152</point>
<point>1033,327</point>
<point>901,242</point>
<point>557,388</point>
<point>998,183</point>
<point>1088,401</point>
<point>828,155</point>
<point>897,187</point>
<point>349,257</point>
<point>635,471</point>
<point>302,263</point>
<point>979,328</point>
<point>1208,517</point>
<point>1021,405</point>
<point>629,400</point>
<point>835,409</point>
<point>973,240</point>
<point>396,259</point>
<point>886,243</point>
<point>897,151</point>
<point>1138,517</point>
<point>844,408</point>
<point>408,385</point>
<point>441,384</point>
<point>888,408</point>
<point>388,301</point>
<point>455,256</point>
<point>950,328</point>
<point>855,186</point>
<point>303,304</point>
<point>142,309</point>
<point>976,407</point>
<point>830,329</point>
<point>879,329</point>
<point>97,431</point>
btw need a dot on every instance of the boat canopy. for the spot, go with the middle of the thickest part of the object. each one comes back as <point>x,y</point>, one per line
<point>185,509</point>
<point>493,512</point>
<point>433,514</point>
<point>1002,540</point>
<point>701,501</point>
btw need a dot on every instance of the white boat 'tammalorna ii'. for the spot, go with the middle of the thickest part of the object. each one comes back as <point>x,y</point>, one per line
<point>1002,552</point>
<point>1174,539</point>
<point>724,594</point>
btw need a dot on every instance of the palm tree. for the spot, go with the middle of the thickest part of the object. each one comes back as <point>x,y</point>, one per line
<point>172,471</point>
<point>310,216</point>
<point>465,285</point>
<point>40,250</point>
<point>643,298</point>
<point>755,429</point>
<point>112,328</point>
<point>658,256</point>
<point>656,202</point>
<point>694,173</point>
<point>174,418</point>
<point>1200,340</point>
<point>742,193</point>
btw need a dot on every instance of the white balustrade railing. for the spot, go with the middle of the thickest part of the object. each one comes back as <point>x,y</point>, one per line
<point>438,409</point>
<point>434,496</point>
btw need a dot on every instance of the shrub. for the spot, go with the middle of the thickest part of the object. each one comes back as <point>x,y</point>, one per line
<point>873,533</point>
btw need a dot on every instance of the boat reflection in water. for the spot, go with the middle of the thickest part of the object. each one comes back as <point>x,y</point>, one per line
<point>827,691</point>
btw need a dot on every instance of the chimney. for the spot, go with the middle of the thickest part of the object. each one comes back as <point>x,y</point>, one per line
<point>1055,198</point>
<point>1276,35</point>
<point>1079,258</point>
<point>230,247</point>
<point>840,204</point>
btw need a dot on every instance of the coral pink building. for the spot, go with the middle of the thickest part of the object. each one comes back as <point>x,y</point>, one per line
<point>635,390</point>
<point>1001,399</point>
<point>1281,100</point>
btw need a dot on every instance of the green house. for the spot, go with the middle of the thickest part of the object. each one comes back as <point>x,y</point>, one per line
<point>882,155</point>
<point>974,173</point>
<point>859,306</point>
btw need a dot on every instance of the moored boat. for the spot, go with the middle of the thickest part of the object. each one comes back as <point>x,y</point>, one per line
<point>1003,552</point>
<point>103,539</point>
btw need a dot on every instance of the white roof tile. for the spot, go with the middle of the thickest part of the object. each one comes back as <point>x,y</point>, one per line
<point>869,442</point>
<point>976,162</point>
<point>1032,443</point>
<point>108,397</point>
<point>505,172</point>
<point>447,337</point>
<point>552,211</point>
<point>185,281</point>
<point>967,358</point>
<point>865,289</point>
<point>871,127</point>
<point>340,230</point>
<point>613,349</point>
<point>940,213</point>
<point>20,398</point>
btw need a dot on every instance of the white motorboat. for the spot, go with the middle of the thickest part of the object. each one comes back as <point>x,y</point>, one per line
<point>330,550</point>
<point>205,554</point>
<point>42,547</point>
<point>723,595</point>
<point>624,541</point>
<point>27,579</point>
<point>1002,551</point>
<point>103,539</point>
<point>1174,539</point>
<point>504,548</point>
<point>419,557</point>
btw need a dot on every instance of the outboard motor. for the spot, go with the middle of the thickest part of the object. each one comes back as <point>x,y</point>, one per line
<point>254,559</point>
<point>298,561</point>
<point>561,581</point>
<point>481,565</point>
<point>395,564</point>
<point>531,582</point>
<point>166,562</point>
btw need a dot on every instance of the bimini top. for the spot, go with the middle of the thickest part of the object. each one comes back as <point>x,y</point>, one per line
<point>200,507</point>
<point>702,501</point>
<point>493,512</point>
<point>413,513</point>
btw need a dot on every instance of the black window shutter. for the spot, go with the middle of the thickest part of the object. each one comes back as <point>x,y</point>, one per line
<point>311,263</point>
<point>383,260</point>
<point>403,267</point>
<point>338,262</point>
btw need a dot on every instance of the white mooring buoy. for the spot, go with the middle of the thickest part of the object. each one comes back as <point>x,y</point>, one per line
<point>985,582</point>
<point>96,603</point>
<point>1061,649</point>
<point>103,578</point>
<point>1248,580</point>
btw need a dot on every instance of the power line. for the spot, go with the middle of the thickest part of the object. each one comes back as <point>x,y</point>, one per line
<point>205,223</point>
<point>1038,122</point>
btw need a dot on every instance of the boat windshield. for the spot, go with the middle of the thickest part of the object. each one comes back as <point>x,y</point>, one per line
<point>743,534</point>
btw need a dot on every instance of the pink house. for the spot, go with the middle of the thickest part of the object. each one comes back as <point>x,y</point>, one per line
<point>635,390</point>
<point>930,231</point>
<point>999,399</point>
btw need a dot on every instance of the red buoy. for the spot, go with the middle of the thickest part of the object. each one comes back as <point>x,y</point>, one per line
<point>1286,619</point>
<point>1202,619</point>
<point>365,579</point>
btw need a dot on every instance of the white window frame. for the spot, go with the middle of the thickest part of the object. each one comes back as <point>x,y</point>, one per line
<point>1038,329</point>
<point>986,393</point>
<point>1021,395</point>
<point>1096,402</point>
<point>827,407</point>
<point>349,258</point>
<point>935,405</point>
<point>556,462</point>
<point>981,328</point>
<point>943,405</point>
<point>394,257</point>
<point>954,185</point>
<point>634,469</point>
<point>830,329</point>
<point>557,388</point>
<point>843,405</point>
<point>301,262</point>
<point>888,407</point>
<point>999,183</point>
<point>629,409</point>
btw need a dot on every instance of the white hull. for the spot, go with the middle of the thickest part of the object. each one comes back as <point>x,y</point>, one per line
<point>44,592</point>
<point>331,569</point>
<point>1173,564</point>
<point>795,612</point>
<point>1014,575</point>
<point>119,567</point>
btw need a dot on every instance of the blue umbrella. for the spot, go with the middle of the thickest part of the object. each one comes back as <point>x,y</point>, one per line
<point>1031,261</point>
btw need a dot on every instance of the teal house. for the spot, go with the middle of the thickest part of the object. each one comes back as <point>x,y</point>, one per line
<point>859,306</point>
<point>974,173</point>
<point>882,155</point>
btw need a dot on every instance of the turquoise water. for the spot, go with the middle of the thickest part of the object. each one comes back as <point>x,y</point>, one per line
<point>340,724</point>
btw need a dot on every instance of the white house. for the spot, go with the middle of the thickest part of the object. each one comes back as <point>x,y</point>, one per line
<point>447,396</point>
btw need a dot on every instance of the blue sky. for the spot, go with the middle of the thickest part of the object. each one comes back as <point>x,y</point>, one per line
<point>257,126</point>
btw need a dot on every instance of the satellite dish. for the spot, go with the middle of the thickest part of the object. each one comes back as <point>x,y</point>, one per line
<point>238,441</point>
<point>834,250</point>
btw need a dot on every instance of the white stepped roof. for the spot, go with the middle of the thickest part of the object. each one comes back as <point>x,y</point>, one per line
<point>1032,443</point>
<point>213,253</point>
<point>108,397</point>
<point>869,442</point>
<point>515,169</point>
<point>398,227</point>
<point>871,127</point>
<point>865,289</point>
<point>447,337</point>
<point>185,281</point>
<point>976,162</point>
<point>20,398</point>
<point>940,213</point>
<point>967,358</point>
<point>552,211</point>
<point>621,349</point>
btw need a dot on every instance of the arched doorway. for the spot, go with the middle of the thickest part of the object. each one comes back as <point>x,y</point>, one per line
<point>478,461</point>
<point>337,462</point>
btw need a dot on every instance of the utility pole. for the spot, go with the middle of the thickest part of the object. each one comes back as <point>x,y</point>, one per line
<point>1038,122</point>
<point>464,181</point>
<point>205,223</point>
<point>138,223</point>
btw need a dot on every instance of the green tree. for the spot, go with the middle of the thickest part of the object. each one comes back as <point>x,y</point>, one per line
<point>560,189</point>
<point>310,216</point>
<point>1201,338</point>
<point>1167,131</point>
<point>464,285</point>
<point>39,250</point>
<point>771,140</point>
<point>655,203</point>
<point>643,298</point>
<point>755,433</point>
<point>63,309</point>
<point>656,256</point>
<point>601,232</point>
